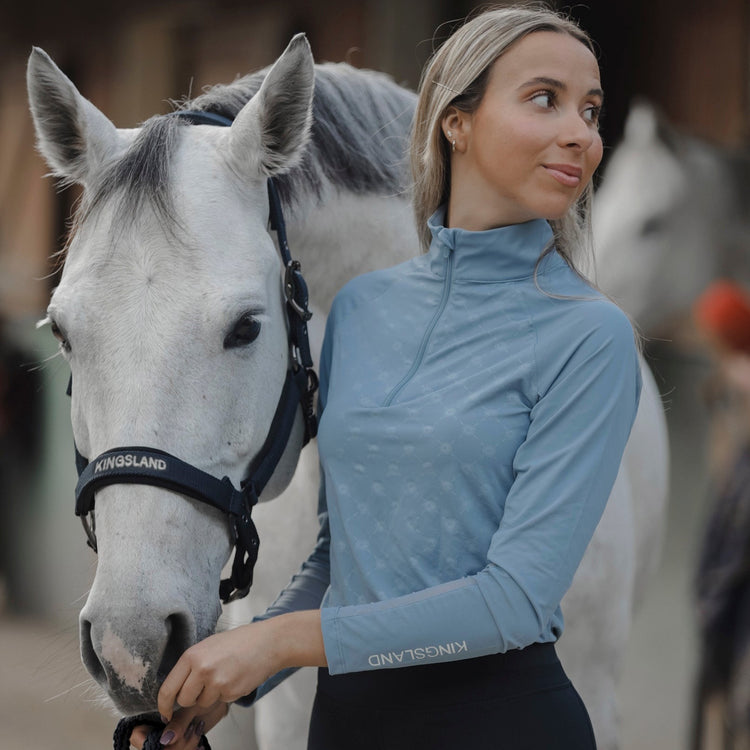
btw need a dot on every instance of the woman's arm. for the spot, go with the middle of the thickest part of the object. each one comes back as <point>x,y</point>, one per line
<point>218,670</point>
<point>228,665</point>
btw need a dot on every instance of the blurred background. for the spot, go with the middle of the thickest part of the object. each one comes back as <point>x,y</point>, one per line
<point>690,58</point>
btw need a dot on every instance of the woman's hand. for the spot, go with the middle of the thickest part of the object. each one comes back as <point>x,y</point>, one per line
<point>229,665</point>
<point>186,728</point>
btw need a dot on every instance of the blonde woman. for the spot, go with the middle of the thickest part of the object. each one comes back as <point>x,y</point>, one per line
<point>475,403</point>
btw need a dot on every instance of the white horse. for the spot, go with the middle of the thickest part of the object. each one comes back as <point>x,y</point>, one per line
<point>672,214</point>
<point>170,260</point>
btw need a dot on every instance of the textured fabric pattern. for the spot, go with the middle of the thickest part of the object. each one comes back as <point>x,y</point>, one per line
<point>472,427</point>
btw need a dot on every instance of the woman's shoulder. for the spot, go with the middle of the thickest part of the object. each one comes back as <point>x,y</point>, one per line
<point>586,332</point>
<point>568,310</point>
<point>363,290</point>
<point>569,293</point>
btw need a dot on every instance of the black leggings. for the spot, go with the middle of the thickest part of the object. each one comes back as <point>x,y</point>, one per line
<point>521,700</point>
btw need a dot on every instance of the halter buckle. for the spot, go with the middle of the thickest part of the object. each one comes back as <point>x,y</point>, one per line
<point>293,268</point>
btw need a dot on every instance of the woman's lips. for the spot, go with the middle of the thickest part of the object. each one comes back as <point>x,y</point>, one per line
<point>565,174</point>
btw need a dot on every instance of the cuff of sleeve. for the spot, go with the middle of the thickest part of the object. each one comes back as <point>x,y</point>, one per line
<point>331,640</point>
<point>247,700</point>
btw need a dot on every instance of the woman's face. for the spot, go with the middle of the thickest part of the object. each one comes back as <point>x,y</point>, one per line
<point>532,145</point>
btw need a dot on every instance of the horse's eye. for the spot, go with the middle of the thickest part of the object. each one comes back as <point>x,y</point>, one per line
<point>653,225</point>
<point>245,331</point>
<point>59,334</point>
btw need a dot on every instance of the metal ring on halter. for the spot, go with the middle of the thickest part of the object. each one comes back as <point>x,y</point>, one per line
<point>90,529</point>
<point>290,289</point>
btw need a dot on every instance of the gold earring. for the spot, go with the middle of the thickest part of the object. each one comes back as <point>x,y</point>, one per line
<point>452,140</point>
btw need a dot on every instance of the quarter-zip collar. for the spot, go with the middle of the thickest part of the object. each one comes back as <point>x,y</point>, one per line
<point>501,254</point>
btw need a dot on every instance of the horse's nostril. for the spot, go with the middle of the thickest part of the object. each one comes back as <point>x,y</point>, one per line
<point>178,639</point>
<point>88,655</point>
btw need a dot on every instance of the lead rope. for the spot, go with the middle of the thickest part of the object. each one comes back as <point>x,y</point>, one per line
<point>126,726</point>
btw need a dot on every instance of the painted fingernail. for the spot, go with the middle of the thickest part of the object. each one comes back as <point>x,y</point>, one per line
<point>166,738</point>
<point>164,719</point>
<point>200,728</point>
<point>190,729</point>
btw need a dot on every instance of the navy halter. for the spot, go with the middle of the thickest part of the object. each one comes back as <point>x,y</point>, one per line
<point>145,465</point>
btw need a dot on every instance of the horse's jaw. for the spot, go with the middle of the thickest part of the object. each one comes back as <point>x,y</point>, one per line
<point>149,601</point>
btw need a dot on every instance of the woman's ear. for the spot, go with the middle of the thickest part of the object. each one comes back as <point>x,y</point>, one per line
<point>456,127</point>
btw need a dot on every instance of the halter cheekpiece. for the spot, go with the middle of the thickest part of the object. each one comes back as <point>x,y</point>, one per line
<point>145,465</point>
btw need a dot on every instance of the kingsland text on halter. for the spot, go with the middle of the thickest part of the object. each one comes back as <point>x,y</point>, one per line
<point>128,460</point>
<point>145,465</point>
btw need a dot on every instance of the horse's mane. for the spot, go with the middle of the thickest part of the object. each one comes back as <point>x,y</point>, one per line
<point>360,129</point>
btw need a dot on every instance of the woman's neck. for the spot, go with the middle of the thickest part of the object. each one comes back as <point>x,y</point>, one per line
<point>472,211</point>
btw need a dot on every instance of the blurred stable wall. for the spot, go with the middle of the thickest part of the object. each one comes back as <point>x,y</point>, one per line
<point>695,63</point>
<point>688,56</point>
<point>131,60</point>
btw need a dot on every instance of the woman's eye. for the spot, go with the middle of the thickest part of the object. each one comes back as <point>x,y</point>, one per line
<point>58,333</point>
<point>245,331</point>
<point>544,99</point>
<point>592,113</point>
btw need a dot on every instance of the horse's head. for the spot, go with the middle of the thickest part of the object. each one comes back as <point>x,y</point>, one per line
<point>170,314</point>
<point>655,220</point>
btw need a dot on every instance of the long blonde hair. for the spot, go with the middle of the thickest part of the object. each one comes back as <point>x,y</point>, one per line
<point>457,75</point>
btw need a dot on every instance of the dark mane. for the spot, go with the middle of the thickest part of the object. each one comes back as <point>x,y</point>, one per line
<point>359,139</point>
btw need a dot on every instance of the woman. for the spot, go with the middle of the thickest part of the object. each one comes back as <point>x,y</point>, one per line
<point>475,403</point>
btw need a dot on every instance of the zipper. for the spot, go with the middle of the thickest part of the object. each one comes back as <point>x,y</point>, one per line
<point>427,334</point>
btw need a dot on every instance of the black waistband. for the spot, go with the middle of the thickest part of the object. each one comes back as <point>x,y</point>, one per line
<point>486,677</point>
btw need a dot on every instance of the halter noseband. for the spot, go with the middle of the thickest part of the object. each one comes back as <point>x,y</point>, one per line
<point>143,465</point>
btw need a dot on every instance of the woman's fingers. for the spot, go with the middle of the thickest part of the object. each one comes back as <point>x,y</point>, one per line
<point>178,732</point>
<point>224,667</point>
<point>172,685</point>
<point>209,696</point>
<point>202,674</point>
<point>196,690</point>
<point>185,730</point>
<point>191,690</point>
<point>186,727</point>
<point>139,734</point>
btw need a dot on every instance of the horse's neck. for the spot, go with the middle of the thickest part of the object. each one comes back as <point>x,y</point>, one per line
<point>718,185</point>
<point>346,235</point>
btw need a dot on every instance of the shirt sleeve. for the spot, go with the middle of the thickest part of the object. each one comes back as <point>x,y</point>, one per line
<point>563,474</point>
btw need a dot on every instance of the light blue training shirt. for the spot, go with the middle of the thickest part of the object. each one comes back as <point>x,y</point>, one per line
<point>473,420</point>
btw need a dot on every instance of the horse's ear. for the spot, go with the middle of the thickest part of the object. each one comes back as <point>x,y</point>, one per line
<point>645,124</point>
<point>72,134</point>
<point>271,131</point>
<point>642,122</point>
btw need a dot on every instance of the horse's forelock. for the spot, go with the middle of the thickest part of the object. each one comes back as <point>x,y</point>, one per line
<point>141,176</point>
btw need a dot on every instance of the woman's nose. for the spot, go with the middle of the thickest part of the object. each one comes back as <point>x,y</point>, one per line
<point>576,131</point>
